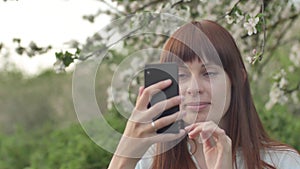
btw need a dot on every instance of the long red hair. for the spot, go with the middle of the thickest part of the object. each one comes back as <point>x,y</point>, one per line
<point>244,128</point>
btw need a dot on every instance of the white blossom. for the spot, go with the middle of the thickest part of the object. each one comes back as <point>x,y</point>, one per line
<point>167,9</point>
<point>295,97</point>
<point>59,66</point>
<point>255,77</point>
<point>254,51</point>
<point>133,95</point>
<point>283,83</point>
<point>296,3</point>
<point>134,5</point>
<point>249,59</point>
<point>250,25</point>
<point>134,82</point>
<point>113,67</point>
<point>276,96</point>
<point>239,17</point>
<point>200,10</point>
<point>229,19</point>
<point>110,97</point>
<point>136,63</point>
<point>279,75</point>
<point>295,55</point>
<point>124,75</point>
<point>291,69</point>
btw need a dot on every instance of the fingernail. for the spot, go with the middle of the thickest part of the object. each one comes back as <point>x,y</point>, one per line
<point>168,81</point>
<point>187,127</point>
<point>179,98</point>
<point>182,98</point>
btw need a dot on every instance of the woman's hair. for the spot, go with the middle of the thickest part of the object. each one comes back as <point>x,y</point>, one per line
<point>195,41</point>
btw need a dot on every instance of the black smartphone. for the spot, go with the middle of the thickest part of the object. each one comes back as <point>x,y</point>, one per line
<point>158,72</point>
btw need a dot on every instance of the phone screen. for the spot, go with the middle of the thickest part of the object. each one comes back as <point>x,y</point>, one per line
<point>158,72</point>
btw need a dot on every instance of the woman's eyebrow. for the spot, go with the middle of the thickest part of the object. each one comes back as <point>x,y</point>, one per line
<point>182,67</point>
<point>207,65</point>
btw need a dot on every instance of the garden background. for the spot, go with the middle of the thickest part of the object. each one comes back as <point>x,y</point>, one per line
<point>39,128</point>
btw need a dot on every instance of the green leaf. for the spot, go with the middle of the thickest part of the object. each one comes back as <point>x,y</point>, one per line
<point>17,40</point>
<point>20,50</point>
<point>260,15</point>
<point>59,55</point>
<point>68,59</point>
<point>68,54</point>
<point>77,51</point>
<point>247,17</point>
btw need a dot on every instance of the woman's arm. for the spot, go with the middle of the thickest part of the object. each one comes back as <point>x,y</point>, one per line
<point>139,133</point>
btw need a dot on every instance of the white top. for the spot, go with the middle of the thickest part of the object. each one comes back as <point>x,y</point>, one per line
<point>280,159</point>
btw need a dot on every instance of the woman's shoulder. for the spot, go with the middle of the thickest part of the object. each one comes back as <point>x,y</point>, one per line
<point>279,157</point>
<point>282,157</point>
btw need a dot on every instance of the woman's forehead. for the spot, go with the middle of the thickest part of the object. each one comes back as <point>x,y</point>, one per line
<point>186,65</point>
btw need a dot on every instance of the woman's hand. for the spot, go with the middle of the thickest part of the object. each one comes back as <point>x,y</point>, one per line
<point>140,133</point>
<point>139,125</point>
<point>216,144</point>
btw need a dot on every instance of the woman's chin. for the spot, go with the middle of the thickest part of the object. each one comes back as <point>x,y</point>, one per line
<point>191,118</point>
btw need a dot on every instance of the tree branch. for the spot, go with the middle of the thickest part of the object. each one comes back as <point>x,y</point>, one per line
<point>297,87</point>
<point>112,7</point>
<point>230,12</point>
<point>273,48</point>
<point>148,4</point>
<point>280,21</point>
<point>113,43</point>
<point>264,31</point>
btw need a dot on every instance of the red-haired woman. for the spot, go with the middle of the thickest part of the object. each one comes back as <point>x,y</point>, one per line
<point>222,127</point>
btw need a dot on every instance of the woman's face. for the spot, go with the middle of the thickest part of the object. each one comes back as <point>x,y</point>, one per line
<point>206,89</point>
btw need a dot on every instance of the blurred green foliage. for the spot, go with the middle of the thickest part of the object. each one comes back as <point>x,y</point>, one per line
<point>39,129</point>
<point>62,148</point>
<point>38,125</point>
<point>30,102</point>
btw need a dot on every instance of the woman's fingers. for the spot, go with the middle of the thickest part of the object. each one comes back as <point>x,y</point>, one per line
<point>160,107</point>
<point>148,92</point>
<point>141,89</point>
<point>165,121</point>
<point>207,130</point>
<point>169,136</point>
<point>145,116</point>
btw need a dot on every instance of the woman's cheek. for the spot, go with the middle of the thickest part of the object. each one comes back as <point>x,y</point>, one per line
<point>182,89</point>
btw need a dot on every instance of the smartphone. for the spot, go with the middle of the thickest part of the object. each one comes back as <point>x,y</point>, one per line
<point>158,72</point>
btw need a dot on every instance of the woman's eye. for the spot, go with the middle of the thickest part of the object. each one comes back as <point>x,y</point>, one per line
<point>182,75</point>
<point>210,74</point>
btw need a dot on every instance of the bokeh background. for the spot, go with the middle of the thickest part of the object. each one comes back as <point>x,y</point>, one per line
<point>38,124</point>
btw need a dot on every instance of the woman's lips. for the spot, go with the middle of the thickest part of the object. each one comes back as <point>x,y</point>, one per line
<point>196,106</point>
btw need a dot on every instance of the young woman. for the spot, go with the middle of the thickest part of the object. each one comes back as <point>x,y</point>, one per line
<point>223,129</point>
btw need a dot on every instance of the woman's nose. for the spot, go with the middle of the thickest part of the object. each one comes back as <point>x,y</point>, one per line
<point>195,87</point>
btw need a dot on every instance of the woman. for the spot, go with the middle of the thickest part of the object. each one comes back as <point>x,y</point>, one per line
<point>222,129</point>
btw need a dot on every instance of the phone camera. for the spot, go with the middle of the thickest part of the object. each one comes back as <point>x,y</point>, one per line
<point>148,72</point>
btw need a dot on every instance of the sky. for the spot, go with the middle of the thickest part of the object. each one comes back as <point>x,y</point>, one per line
<point>46,22</point>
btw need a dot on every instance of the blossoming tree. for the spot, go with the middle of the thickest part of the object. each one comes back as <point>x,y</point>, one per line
<point>267,32</point>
